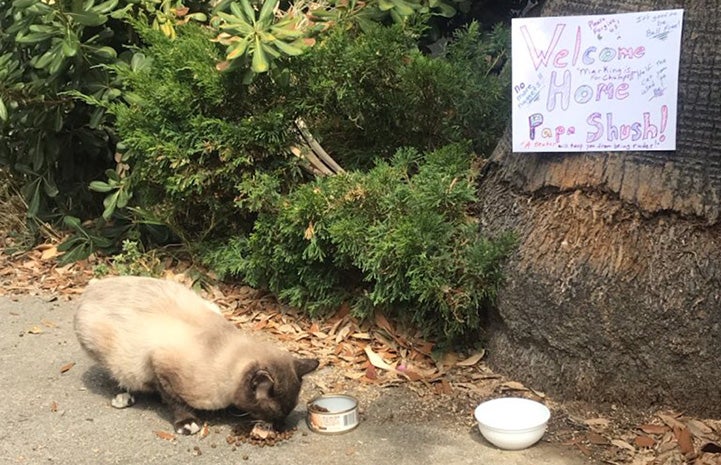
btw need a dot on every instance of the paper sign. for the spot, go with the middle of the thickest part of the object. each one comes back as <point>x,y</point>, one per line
<point>596,83</point>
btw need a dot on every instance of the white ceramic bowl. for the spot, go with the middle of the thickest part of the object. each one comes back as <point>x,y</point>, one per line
<point>512,423</point>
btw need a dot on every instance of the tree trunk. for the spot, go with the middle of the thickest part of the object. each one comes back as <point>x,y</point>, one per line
<point>615,291</point>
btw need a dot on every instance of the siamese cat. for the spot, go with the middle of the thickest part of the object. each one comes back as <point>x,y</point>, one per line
<point>154,335</point>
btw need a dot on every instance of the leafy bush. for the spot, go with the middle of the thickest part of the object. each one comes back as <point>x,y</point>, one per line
<point>398,238</point>
<point>206,152</point>
<point>50,140</point>
<point>372,93</point>
<point>55,143</point>
<point>197,141</point>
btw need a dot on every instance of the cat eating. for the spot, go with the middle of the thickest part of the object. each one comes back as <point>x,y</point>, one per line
<point>153,335</point>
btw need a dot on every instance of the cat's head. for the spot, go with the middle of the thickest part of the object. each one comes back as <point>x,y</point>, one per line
<point>270,388</point>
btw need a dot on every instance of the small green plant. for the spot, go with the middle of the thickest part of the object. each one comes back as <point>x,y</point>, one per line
<point>131,261</point>
<point>262,37</point>
<point>397,238</point>
<point>369,12</point>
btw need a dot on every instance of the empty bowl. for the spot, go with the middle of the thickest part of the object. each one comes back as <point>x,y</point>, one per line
<point>512,423</point>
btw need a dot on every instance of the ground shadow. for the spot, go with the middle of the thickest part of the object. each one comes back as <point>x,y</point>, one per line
<point>97,381</point>
<point>475,434</point>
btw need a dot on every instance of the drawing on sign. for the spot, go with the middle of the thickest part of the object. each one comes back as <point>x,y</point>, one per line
<point>596,83</point>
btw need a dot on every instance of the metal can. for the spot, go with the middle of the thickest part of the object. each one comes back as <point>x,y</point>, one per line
<point>332,414</point>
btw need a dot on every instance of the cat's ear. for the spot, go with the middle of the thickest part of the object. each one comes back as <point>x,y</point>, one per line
<point>303,366</point>
<point>262,384</point>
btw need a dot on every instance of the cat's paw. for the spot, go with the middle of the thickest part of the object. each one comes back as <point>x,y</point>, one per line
<point>187,427</point>
<point>123,400</point>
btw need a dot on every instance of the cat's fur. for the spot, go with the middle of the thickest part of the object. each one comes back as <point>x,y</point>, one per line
<point>155,335</point>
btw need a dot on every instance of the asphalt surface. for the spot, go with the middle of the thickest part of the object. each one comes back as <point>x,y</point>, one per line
<point>57,413</point>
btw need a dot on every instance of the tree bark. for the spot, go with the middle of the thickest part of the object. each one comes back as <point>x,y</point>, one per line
<point>615,291</point>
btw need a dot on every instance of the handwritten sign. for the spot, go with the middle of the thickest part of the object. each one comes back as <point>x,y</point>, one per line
<point>596,83</point>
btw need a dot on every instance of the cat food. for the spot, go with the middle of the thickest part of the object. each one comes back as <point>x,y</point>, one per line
<point>331,414</point>
<point>258,434</point>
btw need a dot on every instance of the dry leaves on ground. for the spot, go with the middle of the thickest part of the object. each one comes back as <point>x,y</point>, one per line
<point>667,438</point>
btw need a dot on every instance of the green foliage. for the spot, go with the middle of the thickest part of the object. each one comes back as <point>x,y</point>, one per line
<point>82,243</point>
<point>262,37</point>
<point>397,238</point>
<point>131,260</point>
<point>55,85</point>
<point>197,141</point>
<point>50,140</point>
<point>206,166</point>
<point>370,12</point>
<point>359,101</point>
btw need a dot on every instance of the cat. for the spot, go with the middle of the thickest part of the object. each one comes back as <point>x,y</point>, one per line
<point>154,335</point>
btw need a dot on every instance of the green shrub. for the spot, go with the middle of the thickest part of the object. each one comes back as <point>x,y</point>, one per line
<point>52,142</point>
<point>397,238</point>
<point>196,140</point>
<point>372,93</point>
<point>207,152</point>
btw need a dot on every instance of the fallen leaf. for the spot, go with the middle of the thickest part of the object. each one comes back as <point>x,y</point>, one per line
<point>53,406</point>
<point>653,429</point>
<point>513,386</point>
<point>644,441</point>
<point>670,420</point>
<point>597,423</point>
<point>286,329</point>
<point>444,387</point>
<point>685,441</point>
<point>668,443</point>
<point>597,439</point>
<point>371,372</point>
<point>164,435</point>
<point>425,348</point>
<point>472,360</point>
<point>376,360</point>
<point>410,374</point>
<point>67,367</point>
<point>382,322</point>
<point>49,253</point>
<point>342,334</point>
<point>448,359</point>
<point>621,444</point>
<point>699,428</point>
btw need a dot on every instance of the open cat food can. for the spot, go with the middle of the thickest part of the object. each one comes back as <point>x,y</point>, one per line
<point>333,413</point>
